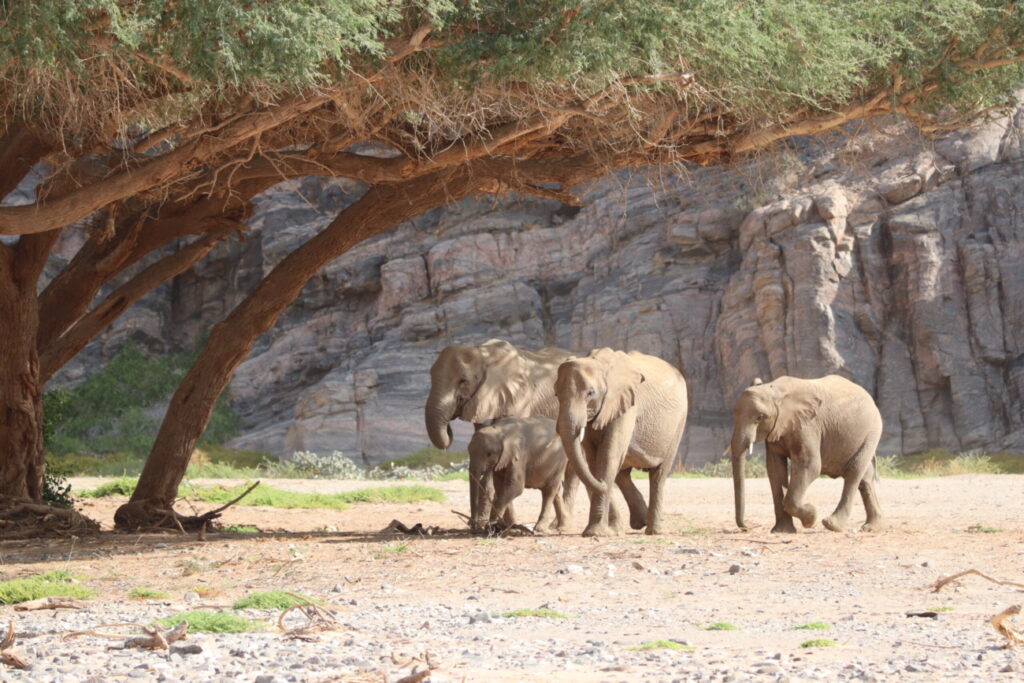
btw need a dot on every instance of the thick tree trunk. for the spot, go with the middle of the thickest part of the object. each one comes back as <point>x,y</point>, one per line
<point>21,400</point>
<point>230,341</point>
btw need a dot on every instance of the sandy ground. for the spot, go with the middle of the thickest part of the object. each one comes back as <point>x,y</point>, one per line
<point>619,592</point>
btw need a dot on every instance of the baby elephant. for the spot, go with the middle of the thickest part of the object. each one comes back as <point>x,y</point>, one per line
<point>511,454</point>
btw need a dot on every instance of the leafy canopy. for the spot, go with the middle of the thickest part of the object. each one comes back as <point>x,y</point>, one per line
<point>152,62</point>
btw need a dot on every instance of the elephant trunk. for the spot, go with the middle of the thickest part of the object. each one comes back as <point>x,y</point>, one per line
<point>571,428</point>
<point>439,412</point>
<point>741,443</point>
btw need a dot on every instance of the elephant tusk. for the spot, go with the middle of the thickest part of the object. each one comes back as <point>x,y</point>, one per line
<point>750,450</point>
<point>579,436</point>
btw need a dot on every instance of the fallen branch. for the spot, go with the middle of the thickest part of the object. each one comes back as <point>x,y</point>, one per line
<point>50,603</point>
<point>319,619</point>
<point>7,657</point>
<point>416,529</point>
<point>942,582</point>
<point>1013,636</point>
<point>155,638</point>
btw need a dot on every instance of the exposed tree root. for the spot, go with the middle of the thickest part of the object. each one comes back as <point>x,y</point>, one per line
<point>156,638</point>
<point>942,582</point>
<point>143,515</point>
<point>22,518</point>
<point>319,620</point>
<point>1000,623</point>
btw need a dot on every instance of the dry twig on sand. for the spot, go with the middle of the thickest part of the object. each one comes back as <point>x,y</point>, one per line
<point>8,657</point>
<point>1013,636</point>
<point>51,602</point>
<point>942,582</point>
<point>319,619</point>
<point>417,674</point>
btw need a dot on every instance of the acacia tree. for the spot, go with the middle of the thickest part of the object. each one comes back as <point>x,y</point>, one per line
<point>155,122</point>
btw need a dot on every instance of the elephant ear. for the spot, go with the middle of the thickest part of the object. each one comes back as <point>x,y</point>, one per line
<point>622,380</point>
<point>510,448</point>
<point>504,380</point>
<point>795,409</point>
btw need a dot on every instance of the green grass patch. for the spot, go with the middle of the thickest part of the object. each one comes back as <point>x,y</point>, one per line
<point>212,622</point>
<point>427,457</point>
<point>542,613</point>
<point>661,645</point>
<point>982,529</point>
<point>269,600</point>
<point>271,497</point>
<point>54,584</point>
<point>146,593</point>
<point>818,642</point>
<point>242,529</point>
<point>814,626</point>
<point>943,608</point>
<point>122,486</point>
<point>720,626</point>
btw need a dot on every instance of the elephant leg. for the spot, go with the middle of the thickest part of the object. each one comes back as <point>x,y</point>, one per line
<point>658,477</point>
<point>562,514</point>
<point>802,472</point>
<point>869,494</point>
<point>618,519</point>
<point>547,508</point>
<point>606,466</point>
<point>570,484</point>
<point>852,478</point>
<point>634,499</point>
<point>778,478</point>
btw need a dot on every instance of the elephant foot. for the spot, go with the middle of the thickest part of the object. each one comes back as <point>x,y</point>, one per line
<point>654,530</point>
<point>786,527</point>
<point>539,530</point>
<point>601,530</point>
<point>833,523</point>
<point>809,518</point>
<point>874,525</point>
<point>637,524</point>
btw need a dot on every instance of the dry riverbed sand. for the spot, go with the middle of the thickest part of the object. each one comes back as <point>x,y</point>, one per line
<point>407,602</point>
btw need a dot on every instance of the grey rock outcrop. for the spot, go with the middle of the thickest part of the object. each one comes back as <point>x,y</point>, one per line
<point>895,261</point>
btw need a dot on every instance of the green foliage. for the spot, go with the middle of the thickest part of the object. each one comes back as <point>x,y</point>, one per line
<point>212,622</point>
<point>814,626</point>
<point>242,529</point>
<point>117,410</point>
<point>271,497</point>
<point>818,642</point>
<point>982,529</point>
<point>941,608</point>
<point>426,458</point>
<point>123,486</point>
<point>542,613</point>
<point>146,594</point>
<point>56,489</point>
<point>51,584</point>
<point>661,645</point>
<point>720,626</point>
<point>268,600</point>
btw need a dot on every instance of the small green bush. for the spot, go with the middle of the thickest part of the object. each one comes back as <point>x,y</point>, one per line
<point>814,626</point>
<point>661,645</point>
<point>122,486</point>
<point>146,593</point>
<point>721,626</point>
<point>268,600</point>
<point>51,584</point>
<point>542,613</point>
<point>242,529</point>
<point>212,622</point>
<point>426,458</point>
<point>818,642</point>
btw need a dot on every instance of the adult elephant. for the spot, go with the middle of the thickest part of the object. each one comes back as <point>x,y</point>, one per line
<point>810,427</point>
<point>485,382</point>
<point>618,411</point>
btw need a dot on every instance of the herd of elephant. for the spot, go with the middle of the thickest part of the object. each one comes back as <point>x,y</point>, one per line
<point>548,419</point>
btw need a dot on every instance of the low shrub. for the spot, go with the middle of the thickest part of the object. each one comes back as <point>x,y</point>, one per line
<point>661,645</point>
<point>212,622</point>
<point>51,584</point>
<point>268,600</point>
<point>542,613</point>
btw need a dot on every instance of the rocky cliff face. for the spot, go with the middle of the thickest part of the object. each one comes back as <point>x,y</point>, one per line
<point>895,261</point>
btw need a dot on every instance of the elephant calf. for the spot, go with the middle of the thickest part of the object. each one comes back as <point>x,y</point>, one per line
<point>818,426</point>
<point>511,454</point>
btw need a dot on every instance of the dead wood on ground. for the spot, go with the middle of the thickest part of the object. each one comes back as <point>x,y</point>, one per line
<point>7,656</point>
<point>22,518</point>
<point>943,582</point>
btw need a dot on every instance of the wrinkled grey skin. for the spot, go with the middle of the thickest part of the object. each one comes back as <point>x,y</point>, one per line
<point>471,382</point>
<point>517,453</point>
<point>618,411</point>
<point>810,427</point>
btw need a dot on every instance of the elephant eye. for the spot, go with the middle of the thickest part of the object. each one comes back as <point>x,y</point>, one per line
<point>761,417</point>
<point>591,393</point>
<point>463,382</point>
